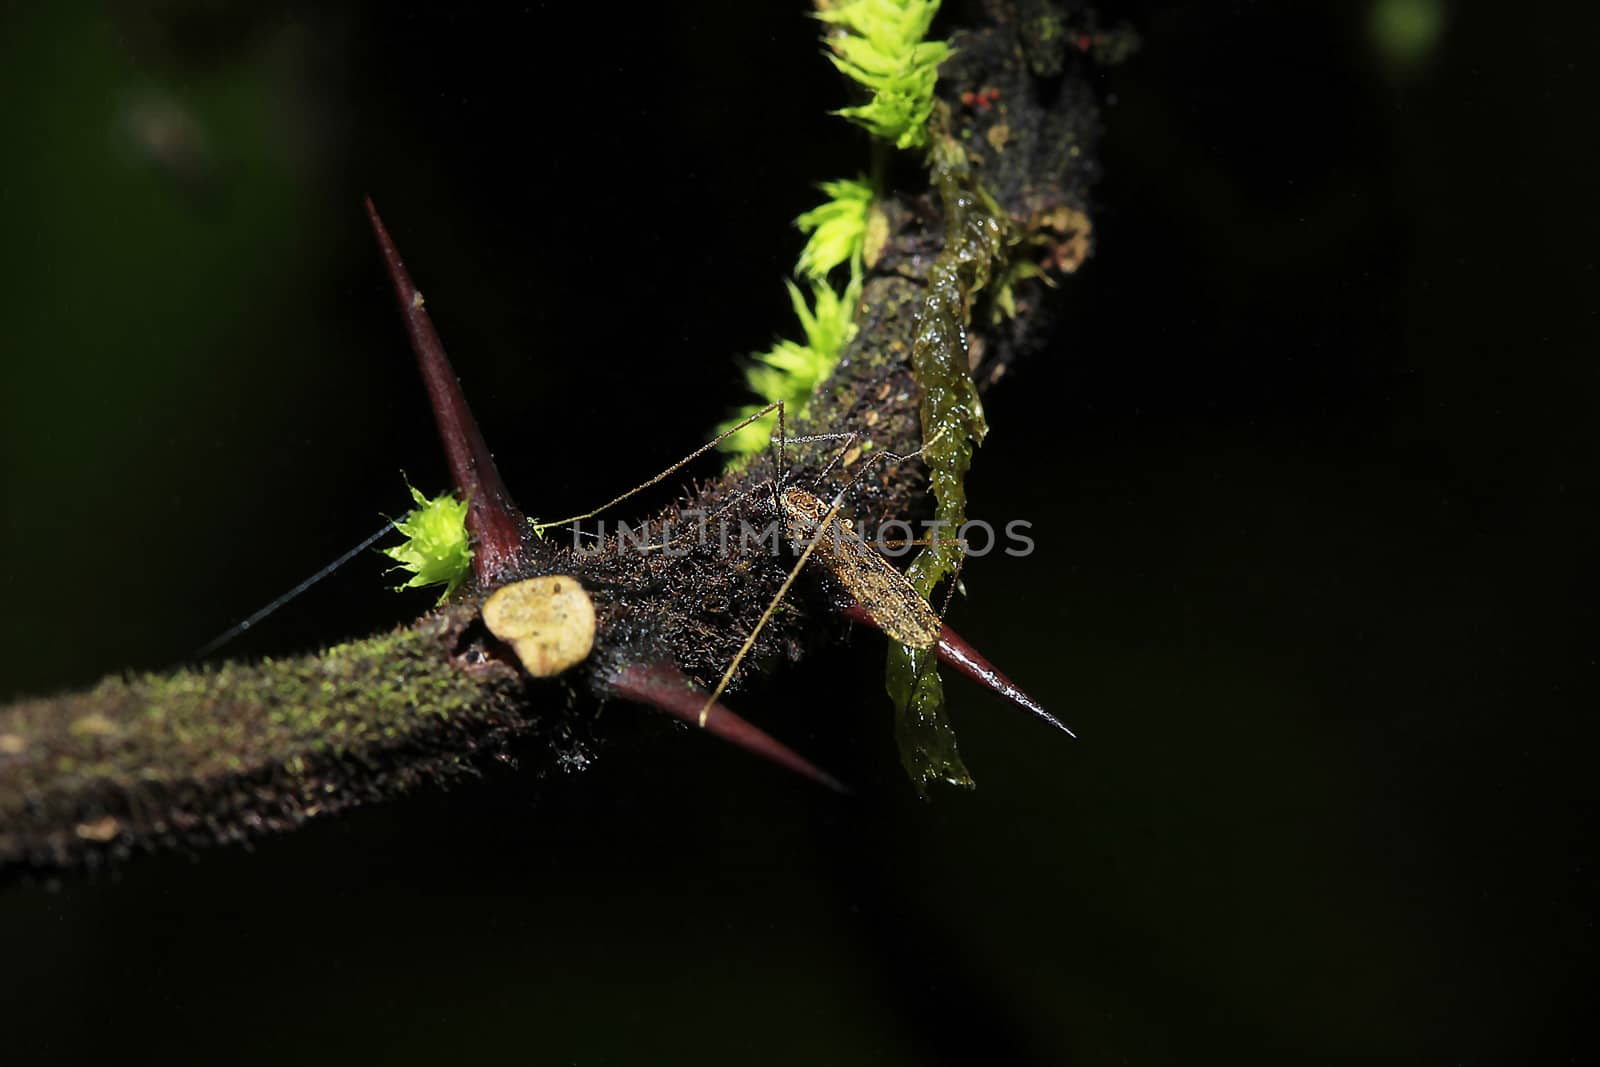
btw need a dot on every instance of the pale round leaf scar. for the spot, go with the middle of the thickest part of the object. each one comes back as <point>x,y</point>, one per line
<point>548,621</point>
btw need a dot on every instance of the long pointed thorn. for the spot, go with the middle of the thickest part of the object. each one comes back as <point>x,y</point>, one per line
<point>665,688</point>
<point>496,526</point>
<point>955,651</point>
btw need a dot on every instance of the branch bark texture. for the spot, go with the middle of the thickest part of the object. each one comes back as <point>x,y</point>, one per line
<point>224,753</point>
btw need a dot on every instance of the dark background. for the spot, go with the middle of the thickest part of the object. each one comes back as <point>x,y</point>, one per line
<point>1311,469</point>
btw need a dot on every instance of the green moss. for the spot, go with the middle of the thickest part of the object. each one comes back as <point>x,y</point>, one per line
<point>791,371</point>
<point>436,550</point>
<point>881,45</point>
<point>952,426</point>
<point>837,228</point>
<point>1043,28</point>
<point>1004,304</point>
<point>248,745</point>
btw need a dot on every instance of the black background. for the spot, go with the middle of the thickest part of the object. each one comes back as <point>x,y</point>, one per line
<point>1311,470</point>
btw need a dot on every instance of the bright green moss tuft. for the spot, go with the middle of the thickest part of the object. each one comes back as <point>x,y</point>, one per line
<point>791,371</point>
<point>879,44</point>
<point>436,551</point>
<point>837,228</point>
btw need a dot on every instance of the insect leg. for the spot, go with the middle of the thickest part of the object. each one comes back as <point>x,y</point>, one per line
<point>875,457</point>
<point>849,439</point>
<point>540,527</point>
<point>727,506</point>
<point>783,591</point>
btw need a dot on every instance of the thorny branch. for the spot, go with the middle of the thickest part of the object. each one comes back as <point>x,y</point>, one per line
<point>224,753</point>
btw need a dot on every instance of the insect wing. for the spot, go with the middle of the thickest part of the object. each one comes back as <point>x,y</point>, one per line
<point>880,589</point>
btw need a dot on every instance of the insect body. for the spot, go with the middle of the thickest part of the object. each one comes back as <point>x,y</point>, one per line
<point>882,591</point>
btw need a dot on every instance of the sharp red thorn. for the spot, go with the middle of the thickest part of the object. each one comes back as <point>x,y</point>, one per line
<point>954,650</point>
<point>665,688</point>
<point>958,653</point>
<point>497,527</point>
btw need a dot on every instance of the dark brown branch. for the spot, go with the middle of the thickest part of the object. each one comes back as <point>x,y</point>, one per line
<point>228,752</point>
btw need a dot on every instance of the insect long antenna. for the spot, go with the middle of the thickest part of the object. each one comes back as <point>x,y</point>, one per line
<point>496,525</point>
<point>540,527</point>
<point>279,601</point>
<point>783,591</point>
<point>665,688</point>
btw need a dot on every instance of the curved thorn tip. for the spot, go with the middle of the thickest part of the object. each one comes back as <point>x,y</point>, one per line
<point>665,688</point>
